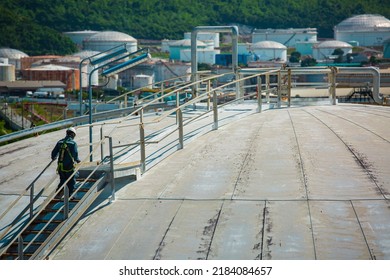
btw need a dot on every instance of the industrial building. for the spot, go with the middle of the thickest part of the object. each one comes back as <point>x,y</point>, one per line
<point>288,37</point>
<point>367,30</point>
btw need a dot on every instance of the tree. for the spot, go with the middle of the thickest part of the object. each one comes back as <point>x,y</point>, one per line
<point>295,57</point>
<point>308,61</point>
<point>339,52</point>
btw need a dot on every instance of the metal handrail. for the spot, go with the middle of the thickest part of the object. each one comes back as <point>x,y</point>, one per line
<point>29,207</point>
<point>180,123</point>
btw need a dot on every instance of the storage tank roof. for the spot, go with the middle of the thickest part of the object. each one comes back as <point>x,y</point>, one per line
<point>334,44</point>
<point>111,36</point>
<point>50,67</point>
<point>363,23</point>
<point>85,54</point>
<point>12,53</point>
<point>269,45</point>
<point>187,43</point>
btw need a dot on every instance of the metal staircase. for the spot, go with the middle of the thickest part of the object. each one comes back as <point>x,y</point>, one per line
<point>36,236</point>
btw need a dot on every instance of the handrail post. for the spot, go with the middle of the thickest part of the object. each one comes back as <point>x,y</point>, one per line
<point>181,134</point>
<point>279,89</point>
<point>101,144</point>
<point>142,141</point>
<point>66,202</point>
<point>20,247</point>
<point>208,95</point>
<point>289,87</point>
<point>32,200</point>
<point>162,91</point>
<point>332,89</point>
<point>177,105</point>
<point>259,98</point>
<point>267,86</point>
<point>112,179</point>
<point>215,110</point>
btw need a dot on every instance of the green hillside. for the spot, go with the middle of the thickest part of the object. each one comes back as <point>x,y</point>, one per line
<point>35,26</point>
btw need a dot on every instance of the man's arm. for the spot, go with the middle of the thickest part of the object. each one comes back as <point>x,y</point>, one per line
<point>76,153</point>
<point>55,151</point>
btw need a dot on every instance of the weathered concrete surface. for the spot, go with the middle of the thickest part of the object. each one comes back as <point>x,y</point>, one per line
<point>295,183</point>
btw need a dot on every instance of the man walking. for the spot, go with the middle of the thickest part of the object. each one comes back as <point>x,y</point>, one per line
<point>67,152</point>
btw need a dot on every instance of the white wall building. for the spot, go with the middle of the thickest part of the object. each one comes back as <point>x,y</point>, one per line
<point>288,37</point>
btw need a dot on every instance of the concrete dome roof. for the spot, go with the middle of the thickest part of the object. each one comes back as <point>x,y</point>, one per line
<point>85,54</point>
<point>187,43</point>
<point>12,53</point>
<point>111,36</point>
<point>333,44</point>
<point>268,45</point>
<point>363,23</point>
<point>50,67</point>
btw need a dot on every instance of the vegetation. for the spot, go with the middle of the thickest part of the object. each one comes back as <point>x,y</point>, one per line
<point>36,26</point>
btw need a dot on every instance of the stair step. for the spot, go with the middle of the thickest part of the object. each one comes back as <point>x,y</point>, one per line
<point>86,180</point>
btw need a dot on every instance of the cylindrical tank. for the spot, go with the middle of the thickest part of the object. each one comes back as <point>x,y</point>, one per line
<point>69,76</point>
<point>113,82</point>
<point>7,72</point>
<point>386,48</point>
<point>79,36</point>
<point>143,81</point>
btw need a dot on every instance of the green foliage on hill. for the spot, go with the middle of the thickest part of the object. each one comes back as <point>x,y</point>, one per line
<point>35,26</point>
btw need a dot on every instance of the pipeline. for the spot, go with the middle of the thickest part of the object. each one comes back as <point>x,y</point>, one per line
<point>363,70</point>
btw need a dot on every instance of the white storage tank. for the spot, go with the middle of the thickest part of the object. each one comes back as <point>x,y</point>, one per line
<point>7,72</point>
<point>325,49</point>
<point>269,51</point>
<point>176,48</point>
<point>78,37</point>
<point>367,30</point>
<point>142,81</point>
<point>210,37</point>
<point>13,56</point>
<point>106,40</point>
<point>87,68</point>
<point>386,48</point>
<point>113,82</point>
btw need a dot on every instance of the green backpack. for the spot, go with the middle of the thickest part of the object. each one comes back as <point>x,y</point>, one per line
<point>64,148</point>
